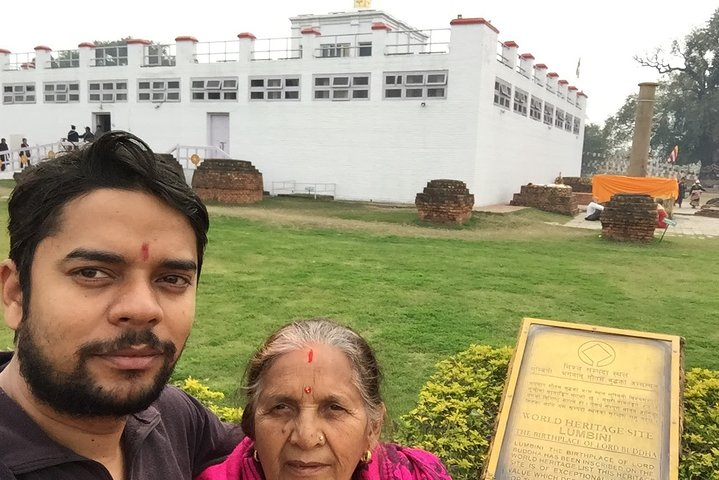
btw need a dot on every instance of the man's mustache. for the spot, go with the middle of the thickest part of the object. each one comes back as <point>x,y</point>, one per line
<point>128,339</point>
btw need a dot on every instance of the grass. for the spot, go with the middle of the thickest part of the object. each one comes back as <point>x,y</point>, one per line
<point>419,294</point>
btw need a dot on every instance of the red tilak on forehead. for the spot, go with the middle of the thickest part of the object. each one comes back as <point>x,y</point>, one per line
<point>308,389</point>
<point>310,354</point>
<point>145,251</point>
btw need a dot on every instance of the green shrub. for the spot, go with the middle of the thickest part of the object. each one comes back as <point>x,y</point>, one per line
<point>208,398</point>
<point>454,417</point>
<point>457,407</point>
<point>700,440</point>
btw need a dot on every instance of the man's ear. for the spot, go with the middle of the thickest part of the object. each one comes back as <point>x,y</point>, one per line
<point>11,293</point>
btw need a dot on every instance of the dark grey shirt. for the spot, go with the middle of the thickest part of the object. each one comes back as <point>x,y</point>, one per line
<point>175,438</point>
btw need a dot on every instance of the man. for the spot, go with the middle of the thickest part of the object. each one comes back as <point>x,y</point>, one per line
<point>4,156</point>
<point>106,248</point>
<point>72,136</point>
<point>24,153</point>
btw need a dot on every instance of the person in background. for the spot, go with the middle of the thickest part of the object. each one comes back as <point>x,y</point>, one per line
<point>661,213</point>
<point>106,248</point>
<point>88,135</point>
<point>99,132</point>
<point>4,156</point>
<point>695,194</point>
<point>72,136</point>
<point>682,191</point>
<point>314,411</point>
<point>24,153</point>
<point>594,210</point>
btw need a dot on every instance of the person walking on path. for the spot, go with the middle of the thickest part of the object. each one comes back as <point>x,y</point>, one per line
<point>695,194</point>
<point>682,191</point>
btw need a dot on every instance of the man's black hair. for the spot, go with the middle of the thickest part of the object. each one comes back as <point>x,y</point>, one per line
<point>117,160</point>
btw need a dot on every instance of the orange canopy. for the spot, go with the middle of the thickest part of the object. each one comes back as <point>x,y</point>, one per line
<point>604,186</point>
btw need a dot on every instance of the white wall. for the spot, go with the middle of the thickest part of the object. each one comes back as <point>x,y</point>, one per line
<point>380,150</point>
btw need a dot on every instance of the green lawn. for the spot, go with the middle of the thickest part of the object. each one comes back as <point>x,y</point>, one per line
<point>420,294</point>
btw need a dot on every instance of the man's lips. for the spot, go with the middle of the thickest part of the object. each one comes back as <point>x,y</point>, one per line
<point>139,358</point>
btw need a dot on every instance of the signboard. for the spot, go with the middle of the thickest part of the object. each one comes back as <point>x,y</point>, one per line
<point>586,403</point>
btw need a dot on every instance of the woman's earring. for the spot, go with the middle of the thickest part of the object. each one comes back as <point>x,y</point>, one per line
<point>255,456</point>
<point>366,456</point>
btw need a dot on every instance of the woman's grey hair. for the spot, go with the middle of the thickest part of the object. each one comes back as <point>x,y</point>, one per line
<point>366,374</point>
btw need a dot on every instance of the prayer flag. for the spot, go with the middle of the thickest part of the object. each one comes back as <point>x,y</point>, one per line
<point>579,63</point>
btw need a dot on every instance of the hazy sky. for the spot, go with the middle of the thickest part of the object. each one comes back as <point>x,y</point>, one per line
<point>606,34</point>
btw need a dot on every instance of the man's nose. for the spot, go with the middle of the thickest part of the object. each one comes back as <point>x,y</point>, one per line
<point>137,303</point>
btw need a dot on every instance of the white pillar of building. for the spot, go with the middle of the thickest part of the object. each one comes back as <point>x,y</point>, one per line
<point>526,64</point>
<point>42,57</point>
<point>136,51</point>
<point>540,74</point>
<point>247,46</point>
<point>309,43</point>
<point>509,54</point>
<point>185,50</point>
<point>86,51</point>
<point>562,88</point>
<point>380,31</point>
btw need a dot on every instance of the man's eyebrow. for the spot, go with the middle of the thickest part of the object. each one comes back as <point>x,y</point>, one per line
<point>187,265</point>
<point>95,255</point>
<point>114,258</point>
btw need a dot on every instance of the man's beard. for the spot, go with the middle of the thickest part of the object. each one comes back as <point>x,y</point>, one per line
<point>76,393</point>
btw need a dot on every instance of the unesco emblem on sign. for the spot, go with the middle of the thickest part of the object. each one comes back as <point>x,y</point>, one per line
<point>596,354</point>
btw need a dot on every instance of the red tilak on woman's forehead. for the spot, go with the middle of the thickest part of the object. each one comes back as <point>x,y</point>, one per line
<point>310,355</point>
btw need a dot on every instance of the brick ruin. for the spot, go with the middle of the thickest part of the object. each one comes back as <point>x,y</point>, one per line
<point>550,198</point>
<point>228,181</point>
<point>581,188</point>
<point>709,209</point>
<point>445,201</point>
<point>629,218</point>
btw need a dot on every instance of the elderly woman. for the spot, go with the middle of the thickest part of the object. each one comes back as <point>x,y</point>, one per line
<point>314,411</point>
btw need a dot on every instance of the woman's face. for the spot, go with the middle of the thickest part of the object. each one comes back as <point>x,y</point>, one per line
<point>310,420</point>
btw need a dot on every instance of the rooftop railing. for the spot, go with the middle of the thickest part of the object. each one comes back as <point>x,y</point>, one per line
<point>284,48</point>
<point>160,55</point>
<point>21,61</point>
<point>410,42</point>
<point>65,59</point>
<point>218,52</point>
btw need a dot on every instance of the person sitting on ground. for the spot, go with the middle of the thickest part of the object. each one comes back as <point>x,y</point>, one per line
<point>314,411</point>
<point>594,210</point>
<point>661,214</point>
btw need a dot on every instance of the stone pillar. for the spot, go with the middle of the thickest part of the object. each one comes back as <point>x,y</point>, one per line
<point>185,50</point>
<point>4,58</point>
<point>136,51</point>
<point>642,130</point>
<point>42,57</point>
<point>509,54</point>
<point>309,43</point>
<point>247,46</point>
<point>380,31</point>
<point>87,53</point>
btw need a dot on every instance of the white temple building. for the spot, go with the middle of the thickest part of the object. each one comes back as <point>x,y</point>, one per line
<point>357,104</point>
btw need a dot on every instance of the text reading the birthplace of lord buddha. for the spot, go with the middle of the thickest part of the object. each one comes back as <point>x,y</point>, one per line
<point>595,424</point>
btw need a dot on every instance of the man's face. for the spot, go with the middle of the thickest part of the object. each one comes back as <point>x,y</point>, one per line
<point>111,306</point>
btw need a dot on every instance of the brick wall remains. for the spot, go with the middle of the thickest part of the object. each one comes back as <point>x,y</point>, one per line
<point>629,218</point>
<point>550,198</point>
<point>228,181</point>
<point>445,201</point>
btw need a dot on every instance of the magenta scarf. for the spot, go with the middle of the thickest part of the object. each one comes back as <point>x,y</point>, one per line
<point>389,462</point>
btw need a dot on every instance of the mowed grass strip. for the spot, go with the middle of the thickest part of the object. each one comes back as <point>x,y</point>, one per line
<point>420,294</point>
